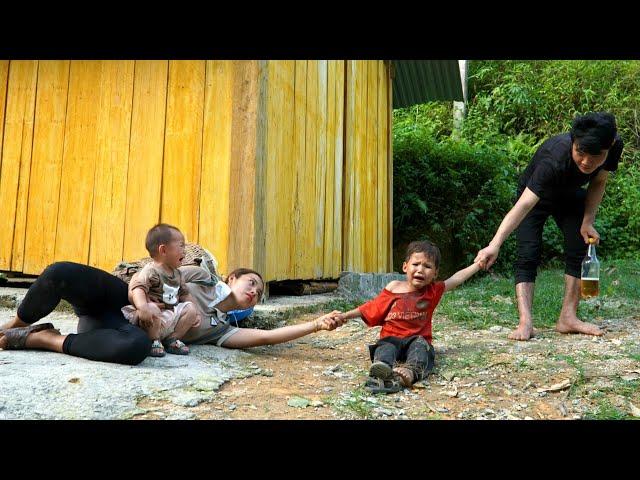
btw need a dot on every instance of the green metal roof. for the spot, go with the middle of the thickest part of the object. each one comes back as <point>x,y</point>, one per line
<point>420,81</point>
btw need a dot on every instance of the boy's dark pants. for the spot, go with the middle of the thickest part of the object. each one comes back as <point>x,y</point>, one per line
<point>415,351</point>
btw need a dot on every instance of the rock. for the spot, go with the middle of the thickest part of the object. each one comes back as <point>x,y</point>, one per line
<point>317,403</point>
<point>635,411</point>
<point>298,402</point>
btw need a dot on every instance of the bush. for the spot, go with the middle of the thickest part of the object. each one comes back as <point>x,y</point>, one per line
<point>451,193</point>
<point>455,192</point>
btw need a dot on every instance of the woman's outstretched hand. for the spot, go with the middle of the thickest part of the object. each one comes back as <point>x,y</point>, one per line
<point>330,321</point>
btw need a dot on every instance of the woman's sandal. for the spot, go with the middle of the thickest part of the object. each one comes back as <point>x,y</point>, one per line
<point>157,350</point>
<point>175,346</point>
<point>17,337</point>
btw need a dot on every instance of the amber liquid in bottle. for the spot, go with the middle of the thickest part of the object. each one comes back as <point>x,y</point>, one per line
<point>590,277</point>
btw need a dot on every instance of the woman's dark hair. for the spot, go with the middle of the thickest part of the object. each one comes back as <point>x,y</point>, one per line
<point>238,272</point>
<point>593,132</point>
<point>426,247</point>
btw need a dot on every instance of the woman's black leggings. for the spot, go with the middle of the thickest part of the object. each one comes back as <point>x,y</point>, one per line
<point>568,212</point>
<point>95,293</point>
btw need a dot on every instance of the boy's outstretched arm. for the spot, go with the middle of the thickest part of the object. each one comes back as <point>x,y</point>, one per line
<point>344,317</point>
<point>461,276</point>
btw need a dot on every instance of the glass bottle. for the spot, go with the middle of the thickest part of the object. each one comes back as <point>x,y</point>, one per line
<point>590,277</point>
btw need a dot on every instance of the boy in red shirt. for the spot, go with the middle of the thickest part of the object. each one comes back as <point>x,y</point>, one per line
<point>404,354</point>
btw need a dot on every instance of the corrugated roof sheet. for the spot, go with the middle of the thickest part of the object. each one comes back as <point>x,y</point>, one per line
<point>420,81</point>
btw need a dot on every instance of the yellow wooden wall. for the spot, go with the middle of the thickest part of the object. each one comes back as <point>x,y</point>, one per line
<point>279,165</point>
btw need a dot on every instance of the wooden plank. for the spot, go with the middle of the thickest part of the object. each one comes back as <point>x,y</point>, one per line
<point>287,175</point>
<point>339,175</point>
<point>242,210</point>
<point>16,161</point>
<point>359,153</point>
<point>311,155</point>
<point>146,149</point>
<point>299,148</point>
<point>280,174</point>
<point>349,168</point>
<point>46,164</point>
<point>272,101</point>
<point>112,163</point>
<point>216,161</point>
<point>381,135</point>
<point>321,170</point>
<point>4,80</point>
<point>371,246</point>
<point>78,162</point>
<point>180,200</point>
<point>330,183</point>
<point>255,159</point>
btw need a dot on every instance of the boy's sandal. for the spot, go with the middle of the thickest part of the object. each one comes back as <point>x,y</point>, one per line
<point>157,350</point>
<point>175,346</point>
<point>378,385</point>
<point>17,337</point>
<point>380,370</point>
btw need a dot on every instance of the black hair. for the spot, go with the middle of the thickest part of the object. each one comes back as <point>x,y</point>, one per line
<point>593,132</point>
<point>238,272</point>
<point>426,247</point>
<point>160,234</point>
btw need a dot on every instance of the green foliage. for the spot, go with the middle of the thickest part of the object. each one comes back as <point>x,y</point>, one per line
<point>454,189</point>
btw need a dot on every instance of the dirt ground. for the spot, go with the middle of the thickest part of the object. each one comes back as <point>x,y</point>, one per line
<point>479,375</point>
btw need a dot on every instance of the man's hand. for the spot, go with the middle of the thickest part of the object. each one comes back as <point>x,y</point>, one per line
<point>587,230</point>
<point>487,257</point>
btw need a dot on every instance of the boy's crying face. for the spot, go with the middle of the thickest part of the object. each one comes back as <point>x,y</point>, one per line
<point>420,269</point>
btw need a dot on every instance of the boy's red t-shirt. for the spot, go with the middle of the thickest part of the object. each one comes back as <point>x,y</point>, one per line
<point>403,314</point>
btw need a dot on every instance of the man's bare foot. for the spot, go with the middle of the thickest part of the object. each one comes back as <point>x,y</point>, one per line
<point>523,332</point>
<point>405,374</point>
<point>574,325</point>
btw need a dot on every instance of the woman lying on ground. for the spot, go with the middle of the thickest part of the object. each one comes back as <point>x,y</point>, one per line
<point>105,335</point>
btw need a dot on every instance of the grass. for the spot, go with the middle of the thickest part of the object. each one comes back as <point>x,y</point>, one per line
<point>356,403</point>
<point>488,300</point>
<point>580,378</point>
<point>606,411</point>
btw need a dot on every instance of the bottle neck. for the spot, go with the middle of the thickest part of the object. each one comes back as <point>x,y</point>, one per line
<point>591,252</point>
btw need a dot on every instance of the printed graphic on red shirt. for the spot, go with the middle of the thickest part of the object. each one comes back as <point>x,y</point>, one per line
<point>403,314</point>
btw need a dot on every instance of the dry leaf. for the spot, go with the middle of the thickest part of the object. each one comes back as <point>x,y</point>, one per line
<point>557,387</point>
